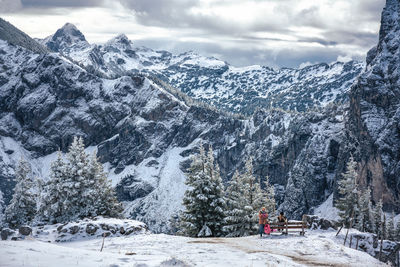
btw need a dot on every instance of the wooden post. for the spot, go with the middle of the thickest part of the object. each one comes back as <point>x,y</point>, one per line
<point>358,238</point>
<point>302,224</point>
<point>350,225</point>
<point>351,240</point>
<point>102,245</point>
<point>286,221</point>
<point>339,229</point>
<point>382,235</point>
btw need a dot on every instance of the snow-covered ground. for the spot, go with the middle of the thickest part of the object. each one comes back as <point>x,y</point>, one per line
<point>316,248</point>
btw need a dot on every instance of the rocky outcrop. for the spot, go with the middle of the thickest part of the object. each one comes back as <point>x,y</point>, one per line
<point>374,118</point>
<point>370,244</point>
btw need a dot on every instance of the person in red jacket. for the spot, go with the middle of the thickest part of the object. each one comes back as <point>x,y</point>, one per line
<point>262,220</point>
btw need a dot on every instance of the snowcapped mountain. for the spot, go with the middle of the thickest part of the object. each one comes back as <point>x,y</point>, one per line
<point>208,79</point>
<point>144,133</point>
<point>66,40</point>
<point>144,130</point>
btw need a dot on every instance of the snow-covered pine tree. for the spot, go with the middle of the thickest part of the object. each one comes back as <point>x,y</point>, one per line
<point>203,200</point>
<point>390,229</point>
<point>195,200</point>
<point>2,207</point>
<point>77,188</point>
<point>22,207</point>
<point>101,194</point>
<point>347,202</point>
<point>216,212</point>
<point>77,201</point>
<point>270,203</point>
<point>254,197</point>
<point>377,217</point>
<point>398,231</point>
<point>364,218</point>
<point>51,205</point>
<point>235,224</point>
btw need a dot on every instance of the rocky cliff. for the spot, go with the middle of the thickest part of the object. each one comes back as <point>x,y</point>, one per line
<point>373,124</point>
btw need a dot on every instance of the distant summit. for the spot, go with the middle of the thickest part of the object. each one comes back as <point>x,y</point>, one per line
<point>15,36</point>
<point>66,38</point>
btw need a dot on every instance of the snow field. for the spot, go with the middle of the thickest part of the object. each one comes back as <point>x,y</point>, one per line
<point>317,248</point>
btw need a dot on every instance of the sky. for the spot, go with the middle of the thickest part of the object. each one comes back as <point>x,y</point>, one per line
<point>275,33</point>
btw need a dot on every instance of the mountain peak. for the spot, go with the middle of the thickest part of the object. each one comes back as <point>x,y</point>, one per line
<point>120,40</point>
<point>65,38</point>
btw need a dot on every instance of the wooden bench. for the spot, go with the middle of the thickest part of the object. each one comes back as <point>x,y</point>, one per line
<point>285,226</point>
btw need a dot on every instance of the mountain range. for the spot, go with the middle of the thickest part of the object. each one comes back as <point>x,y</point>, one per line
<point>135,107</point>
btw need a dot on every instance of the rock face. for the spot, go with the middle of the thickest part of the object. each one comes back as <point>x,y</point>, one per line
<point>374,117</point>
<point>16,37</point>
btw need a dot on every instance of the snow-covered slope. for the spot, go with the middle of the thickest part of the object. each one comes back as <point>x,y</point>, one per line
<point>317,248</point>
<point>214,81</point>
<point>144,133</point>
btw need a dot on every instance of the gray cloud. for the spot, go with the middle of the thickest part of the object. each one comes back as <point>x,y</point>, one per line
<point>290,34</point>
<point>61,3</point>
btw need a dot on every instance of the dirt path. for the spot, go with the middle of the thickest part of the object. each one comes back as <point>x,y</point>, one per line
<point>300,250</point>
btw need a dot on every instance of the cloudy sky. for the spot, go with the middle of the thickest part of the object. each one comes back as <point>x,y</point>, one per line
<point>277,33</point>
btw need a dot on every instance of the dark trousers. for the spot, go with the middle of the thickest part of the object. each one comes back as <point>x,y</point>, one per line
<point>261,229</point>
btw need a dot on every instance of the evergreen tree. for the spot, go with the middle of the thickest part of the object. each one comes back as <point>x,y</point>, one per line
<point>77,188</point>
<point>364,218</point>
<point>398,231</point>
<point>254,198</point>
<point>391,231</point>
<point>2,207</point>
<point>270,203</point>
<point>216,197</point>
<point>235,224</point>
<point>347,203</point>
<point>195,199</point>
<point>51,205</point>
<point>203,199</point>
<point>102,195</point>
<point>22,208</point>
<point>377,217</point>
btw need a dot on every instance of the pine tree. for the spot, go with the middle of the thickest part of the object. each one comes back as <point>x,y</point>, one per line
<point>347,203</point>
<point>270,203</point>
<point>22,207</point>
<point>391,231</point>
<point>51,205</point>
<point>203,199</point>
<point>398,231</point>
<point>77,188</point>
<point>235,225</point>
<point>364,218</point>
<point>103,197</point>
<point>2,207</point>
<point>216,211</point>
<point>377,217</point>
<point>195,199</point>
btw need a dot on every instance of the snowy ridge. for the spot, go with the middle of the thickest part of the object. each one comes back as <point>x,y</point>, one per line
<point>236,89</point>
